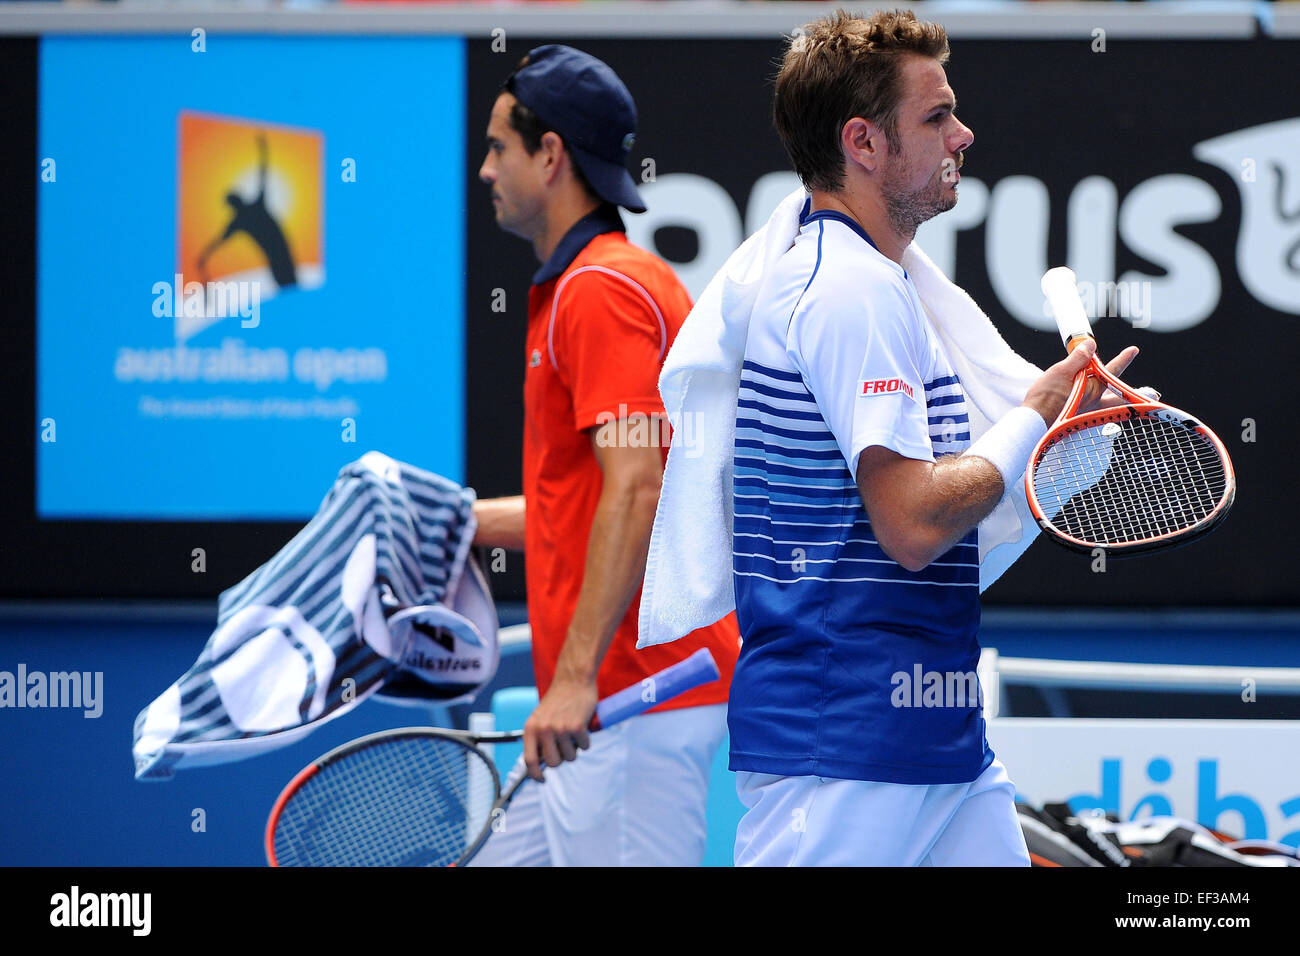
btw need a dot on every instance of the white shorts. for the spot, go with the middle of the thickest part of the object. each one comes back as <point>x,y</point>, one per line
<point>822,821</point>
<point>636,797</point>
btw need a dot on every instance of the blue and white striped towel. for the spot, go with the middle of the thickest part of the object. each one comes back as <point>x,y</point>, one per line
<point>379,587</point>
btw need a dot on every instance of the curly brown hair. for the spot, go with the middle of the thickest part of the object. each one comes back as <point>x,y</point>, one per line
<point>840,67</point>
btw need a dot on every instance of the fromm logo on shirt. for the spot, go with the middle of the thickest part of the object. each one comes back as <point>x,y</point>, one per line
<point>886,386</point>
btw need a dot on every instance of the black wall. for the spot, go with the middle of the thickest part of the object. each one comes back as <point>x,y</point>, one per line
<point>1054,110</point>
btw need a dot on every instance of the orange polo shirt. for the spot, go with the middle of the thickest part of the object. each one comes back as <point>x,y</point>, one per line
<point>599,326</point>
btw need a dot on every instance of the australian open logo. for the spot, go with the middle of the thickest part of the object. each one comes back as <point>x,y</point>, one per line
<point>250,220</point>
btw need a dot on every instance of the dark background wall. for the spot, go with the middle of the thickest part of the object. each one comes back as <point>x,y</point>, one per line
<point>1051,109</point>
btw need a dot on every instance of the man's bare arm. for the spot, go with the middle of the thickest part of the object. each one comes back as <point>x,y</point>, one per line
<point>920,509</point>
<point>615,566</point>
<point>500,523</point>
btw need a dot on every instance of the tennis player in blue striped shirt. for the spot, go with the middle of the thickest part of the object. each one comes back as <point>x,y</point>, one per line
<point>855,715</point>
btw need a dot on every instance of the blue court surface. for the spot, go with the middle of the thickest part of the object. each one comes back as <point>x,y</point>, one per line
<point>68,795</point>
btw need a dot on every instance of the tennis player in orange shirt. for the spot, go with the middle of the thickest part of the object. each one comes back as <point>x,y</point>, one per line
<point>602,315</point>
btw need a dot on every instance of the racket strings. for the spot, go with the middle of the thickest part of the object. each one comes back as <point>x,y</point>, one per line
<point>413,801</point>
<point>1131,481</point>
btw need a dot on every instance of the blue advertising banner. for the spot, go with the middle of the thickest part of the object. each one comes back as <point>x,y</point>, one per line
<point>250,270</point>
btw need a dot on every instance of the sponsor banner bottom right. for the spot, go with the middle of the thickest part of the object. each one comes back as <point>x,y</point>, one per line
<point>1240,777</point>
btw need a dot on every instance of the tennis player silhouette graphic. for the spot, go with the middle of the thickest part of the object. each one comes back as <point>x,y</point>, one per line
<point>255,220</point>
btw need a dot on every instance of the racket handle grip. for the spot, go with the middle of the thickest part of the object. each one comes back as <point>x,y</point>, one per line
<point>1062,291</point>
<point>699,668</point>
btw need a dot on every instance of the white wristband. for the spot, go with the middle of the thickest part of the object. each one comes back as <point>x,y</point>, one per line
<point>1009,443</point>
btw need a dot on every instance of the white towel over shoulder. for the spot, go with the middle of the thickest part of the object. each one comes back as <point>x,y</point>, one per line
<point>688,582</point>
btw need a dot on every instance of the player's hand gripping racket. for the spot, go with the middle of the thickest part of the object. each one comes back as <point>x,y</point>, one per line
<point>421,796</point>
<point>1130,478</point>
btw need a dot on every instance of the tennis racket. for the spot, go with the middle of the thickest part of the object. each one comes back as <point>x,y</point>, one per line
<point>421,796</point>
<point>1132,478</point>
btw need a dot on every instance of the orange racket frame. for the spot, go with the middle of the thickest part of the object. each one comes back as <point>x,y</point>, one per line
<point>1061,290</point>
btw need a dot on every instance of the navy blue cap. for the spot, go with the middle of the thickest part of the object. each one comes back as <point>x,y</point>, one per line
<point>584,101</point>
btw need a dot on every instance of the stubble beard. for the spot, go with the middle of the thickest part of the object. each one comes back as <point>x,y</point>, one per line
<point>907,208</point>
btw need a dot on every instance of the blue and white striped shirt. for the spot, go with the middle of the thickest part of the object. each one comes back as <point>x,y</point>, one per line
<point>845,666</point>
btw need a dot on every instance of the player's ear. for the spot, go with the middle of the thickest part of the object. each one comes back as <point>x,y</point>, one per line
<point>862,142</point>
<point>551,152</point>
